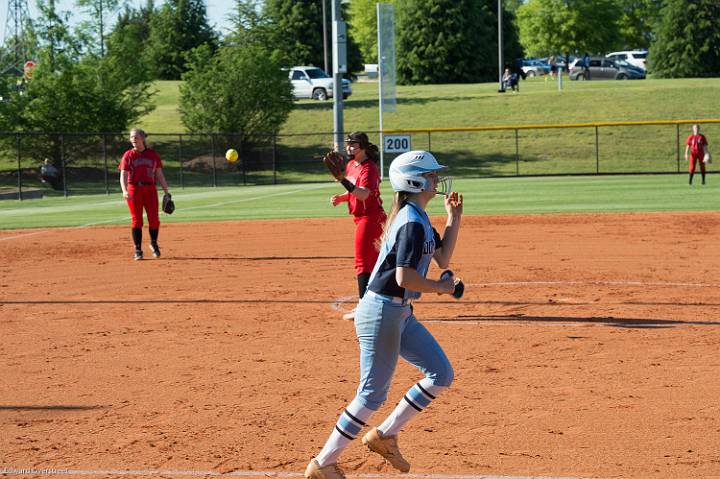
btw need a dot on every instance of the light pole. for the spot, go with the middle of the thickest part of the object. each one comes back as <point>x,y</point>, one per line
<point>325,52</point>
<point>500,45</point>
<point>339,67</point>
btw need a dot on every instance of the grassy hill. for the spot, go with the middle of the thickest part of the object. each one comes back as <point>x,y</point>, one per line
<point>647,149</point>
<point>467,105</point>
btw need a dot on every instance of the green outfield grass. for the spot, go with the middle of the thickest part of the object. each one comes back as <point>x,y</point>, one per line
<point>482,196</point>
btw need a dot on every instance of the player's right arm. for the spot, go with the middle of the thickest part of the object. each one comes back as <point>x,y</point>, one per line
<point>410,247</point>
<point>687,150</point>
<point>409,278</point>
<point>361,189</point>
<point>124,175</point>
<point>337,199</point>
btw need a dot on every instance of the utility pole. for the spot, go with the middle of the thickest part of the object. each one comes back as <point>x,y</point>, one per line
<point>500,44</point>
<point>339,67</point>
<point>325,52</point>
<point>14,37</point>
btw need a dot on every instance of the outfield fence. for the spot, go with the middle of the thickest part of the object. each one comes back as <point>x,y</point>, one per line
<point>88,162</point>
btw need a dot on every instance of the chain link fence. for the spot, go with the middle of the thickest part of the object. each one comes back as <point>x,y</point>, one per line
<point>88,162</point>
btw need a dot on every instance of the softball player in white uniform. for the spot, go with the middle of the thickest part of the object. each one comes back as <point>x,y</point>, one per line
<point>384,321</point>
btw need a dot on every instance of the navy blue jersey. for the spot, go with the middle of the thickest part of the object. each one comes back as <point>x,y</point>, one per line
<point>411,243</point>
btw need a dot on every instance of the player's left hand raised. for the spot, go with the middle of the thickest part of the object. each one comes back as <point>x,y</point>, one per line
<point>454,203</point>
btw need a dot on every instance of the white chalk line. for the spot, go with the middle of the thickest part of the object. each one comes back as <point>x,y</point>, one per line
<point>47,230</point>
<point>337,303</point>
<point>55,209</point>
<point>607,283</point>
<point>118,219</point>
<point>255,198</point>
<point>243,473</point>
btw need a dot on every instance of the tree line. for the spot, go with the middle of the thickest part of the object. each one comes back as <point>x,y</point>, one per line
<point>94,77</point>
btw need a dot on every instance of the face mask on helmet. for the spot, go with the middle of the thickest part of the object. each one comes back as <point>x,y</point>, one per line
<point>361,139</point>
<point>407,170</point>
<point>444,186</point>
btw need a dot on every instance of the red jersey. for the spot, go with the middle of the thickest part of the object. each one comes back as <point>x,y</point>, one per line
<point>367,175</point>
<point>141,165</point>
<point>696,143</point>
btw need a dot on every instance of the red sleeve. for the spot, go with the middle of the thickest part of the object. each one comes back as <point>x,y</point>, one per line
<point>369,176</point>
<point>687,142</point>
<point>124,162</point>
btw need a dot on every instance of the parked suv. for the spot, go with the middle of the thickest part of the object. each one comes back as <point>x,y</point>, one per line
<point>606,69</point>
<point>633,57</point>
<point>313,82</point>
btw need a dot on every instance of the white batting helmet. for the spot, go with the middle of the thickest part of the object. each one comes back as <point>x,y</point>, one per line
<point>407,169</point>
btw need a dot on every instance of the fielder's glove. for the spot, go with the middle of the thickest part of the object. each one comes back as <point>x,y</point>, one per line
<point>168,205</point>
<point>335,163</point>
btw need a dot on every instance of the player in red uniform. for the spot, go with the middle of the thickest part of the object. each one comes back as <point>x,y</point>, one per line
<point>140,169</point>
<point>696,145</point>
<point>362,180</point>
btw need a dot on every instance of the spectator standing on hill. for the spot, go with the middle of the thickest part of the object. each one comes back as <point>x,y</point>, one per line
<point>553,66</point>
<point>586,66</point>
<point>696,146</point>
<point>140,169</point>
<point>517,69</point>
<point>362,182</point>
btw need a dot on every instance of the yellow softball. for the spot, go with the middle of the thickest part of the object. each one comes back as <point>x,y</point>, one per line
<point>231,155</point>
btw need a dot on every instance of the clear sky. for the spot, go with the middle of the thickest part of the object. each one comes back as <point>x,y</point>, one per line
<point>218,11</point>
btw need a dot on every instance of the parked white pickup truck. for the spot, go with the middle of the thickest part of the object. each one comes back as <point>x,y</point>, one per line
<point>313,82</point>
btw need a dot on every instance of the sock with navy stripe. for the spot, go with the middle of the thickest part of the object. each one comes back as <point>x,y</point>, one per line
<point>416,399</point>
<point>348,426</point>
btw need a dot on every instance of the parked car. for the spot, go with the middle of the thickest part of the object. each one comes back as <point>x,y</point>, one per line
<point>534,67</point>
<point>606,69</point>
<point>633,57</point>
<point>313,82</point>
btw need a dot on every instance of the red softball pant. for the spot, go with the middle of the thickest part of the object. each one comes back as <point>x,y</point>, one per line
<point>368,230</point>
<point>143,197</point>
<point>694,161</point>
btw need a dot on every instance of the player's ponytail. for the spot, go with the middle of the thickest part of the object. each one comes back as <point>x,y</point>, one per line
<point>398,201</point>
<point>373,153</point>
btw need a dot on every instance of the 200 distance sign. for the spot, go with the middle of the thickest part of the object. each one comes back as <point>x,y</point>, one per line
<point>397,143</point>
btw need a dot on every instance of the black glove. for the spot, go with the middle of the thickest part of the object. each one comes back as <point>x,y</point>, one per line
<point>168,205</point>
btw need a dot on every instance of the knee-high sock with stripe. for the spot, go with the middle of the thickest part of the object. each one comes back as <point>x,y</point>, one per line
<point>416,399</point>
<point>348,426</point>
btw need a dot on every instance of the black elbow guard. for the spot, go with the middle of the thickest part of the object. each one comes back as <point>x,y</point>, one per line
<point>348,185</point>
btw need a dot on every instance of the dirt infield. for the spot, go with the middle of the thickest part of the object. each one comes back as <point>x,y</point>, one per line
<point>585,346</point>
